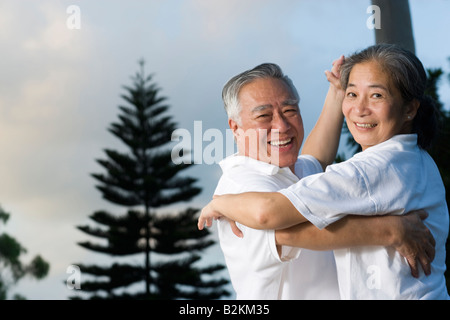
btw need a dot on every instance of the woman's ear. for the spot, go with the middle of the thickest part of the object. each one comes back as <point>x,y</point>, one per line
<point>411,109</point>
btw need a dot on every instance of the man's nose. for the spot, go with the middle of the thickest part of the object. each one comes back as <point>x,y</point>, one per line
<point>280,123</point>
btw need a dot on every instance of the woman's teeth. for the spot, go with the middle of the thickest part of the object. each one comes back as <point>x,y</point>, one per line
<point>365,125</point>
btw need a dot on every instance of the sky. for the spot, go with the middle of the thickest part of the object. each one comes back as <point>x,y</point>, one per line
<point>62,77</point>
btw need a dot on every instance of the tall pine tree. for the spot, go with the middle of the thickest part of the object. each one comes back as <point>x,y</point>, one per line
<point>143,180</point>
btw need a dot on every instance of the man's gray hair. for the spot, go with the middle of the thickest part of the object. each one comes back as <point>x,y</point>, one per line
<point>230,92</point>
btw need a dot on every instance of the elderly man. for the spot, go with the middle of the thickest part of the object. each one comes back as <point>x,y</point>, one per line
<point>263,112</point>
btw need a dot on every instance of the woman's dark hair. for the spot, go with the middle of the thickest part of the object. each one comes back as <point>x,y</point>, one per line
<point>410,78</point>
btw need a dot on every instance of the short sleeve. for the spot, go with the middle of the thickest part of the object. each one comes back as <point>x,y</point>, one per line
<point>307,165</point>
<point>327,197</point>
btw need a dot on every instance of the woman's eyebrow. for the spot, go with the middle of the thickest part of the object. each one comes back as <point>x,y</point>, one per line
<point>375,85</point>
<point>378,86</point>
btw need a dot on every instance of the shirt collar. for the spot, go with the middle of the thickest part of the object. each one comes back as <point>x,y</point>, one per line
<point>399,142</point>
<point>238,160</point>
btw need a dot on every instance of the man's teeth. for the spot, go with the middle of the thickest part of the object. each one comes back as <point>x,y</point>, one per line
<point>280,142</point>
<point>365,125</point>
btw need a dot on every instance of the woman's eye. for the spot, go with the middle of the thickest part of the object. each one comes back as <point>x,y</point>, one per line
<point>351,95</point>
<point>376,95</point>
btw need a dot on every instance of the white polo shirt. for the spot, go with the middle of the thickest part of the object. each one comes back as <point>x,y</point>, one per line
<point>256,270</point>
<point>395,177</point>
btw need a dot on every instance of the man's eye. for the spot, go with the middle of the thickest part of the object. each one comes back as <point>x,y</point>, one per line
<point>351,95</point>
<point>376,95</point>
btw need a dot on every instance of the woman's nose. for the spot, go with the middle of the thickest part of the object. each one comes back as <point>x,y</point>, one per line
<point>361,107</point>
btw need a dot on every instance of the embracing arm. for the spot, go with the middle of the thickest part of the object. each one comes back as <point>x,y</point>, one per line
<point>257,210</point>
<point>350,231</point>
<point>271,210</point>
<point>406,234</point>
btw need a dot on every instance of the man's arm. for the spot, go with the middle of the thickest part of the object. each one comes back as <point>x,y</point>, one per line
<point>406,234</point>
<point>323,141</point>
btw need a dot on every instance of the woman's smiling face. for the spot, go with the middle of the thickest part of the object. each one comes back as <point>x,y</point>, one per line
<point>373,107</point>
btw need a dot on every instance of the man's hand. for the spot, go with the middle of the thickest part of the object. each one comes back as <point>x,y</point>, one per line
<point>415,241</point>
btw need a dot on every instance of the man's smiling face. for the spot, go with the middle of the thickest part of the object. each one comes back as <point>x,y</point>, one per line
<point>271,127</point>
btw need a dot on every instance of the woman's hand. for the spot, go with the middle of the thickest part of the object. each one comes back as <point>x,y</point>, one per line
<point>210,213</point>
<point>334,75</point>
<point>207,215</point>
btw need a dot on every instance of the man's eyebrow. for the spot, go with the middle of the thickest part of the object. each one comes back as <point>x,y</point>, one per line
<point>290,102</point>
<point>261,108</point>
<point>287,102</point>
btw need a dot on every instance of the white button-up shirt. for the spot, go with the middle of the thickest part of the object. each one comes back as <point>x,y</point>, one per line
<point>256,269</point>
<point>394,177</point>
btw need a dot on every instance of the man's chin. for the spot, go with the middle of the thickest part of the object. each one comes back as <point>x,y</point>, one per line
<point>283,162</point>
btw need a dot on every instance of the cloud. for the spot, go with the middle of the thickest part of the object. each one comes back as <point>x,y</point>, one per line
<point>42,164</point>
<point>39,115</point>
<point>60,90</point>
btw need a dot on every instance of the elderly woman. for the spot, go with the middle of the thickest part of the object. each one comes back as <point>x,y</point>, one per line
<point>394,122</point>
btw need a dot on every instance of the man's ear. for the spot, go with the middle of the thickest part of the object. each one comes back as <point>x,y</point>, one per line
<point>233,126</point>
